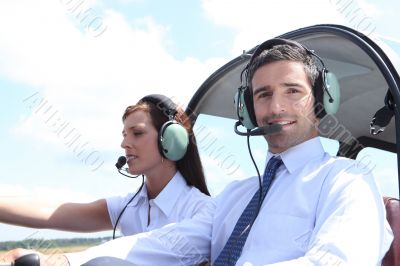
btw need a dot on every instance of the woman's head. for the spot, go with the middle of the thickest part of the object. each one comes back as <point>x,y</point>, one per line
<point>142,124</point>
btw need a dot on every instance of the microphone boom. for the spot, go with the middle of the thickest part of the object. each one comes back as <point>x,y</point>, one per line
<point>259,131</point>
<point>121,162</point>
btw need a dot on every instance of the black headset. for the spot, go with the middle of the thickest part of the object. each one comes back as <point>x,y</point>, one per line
<point>326,87</point>
<point>173,138</point>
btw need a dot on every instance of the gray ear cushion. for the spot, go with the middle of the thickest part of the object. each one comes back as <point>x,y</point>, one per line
<point>173,140</point>
<point>318,91</point>
<point>249,107</point>
<point>244,108</point>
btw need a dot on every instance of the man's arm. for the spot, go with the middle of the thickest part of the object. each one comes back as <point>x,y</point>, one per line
<point>350,226</point>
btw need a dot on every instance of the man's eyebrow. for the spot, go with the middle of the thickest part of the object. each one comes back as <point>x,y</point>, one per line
<point>285,84</point>
<point>263,88</point>
<point>292,84</point>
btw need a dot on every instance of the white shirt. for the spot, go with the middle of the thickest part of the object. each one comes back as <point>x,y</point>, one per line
<point>320,210</point>
<point>177,201</point>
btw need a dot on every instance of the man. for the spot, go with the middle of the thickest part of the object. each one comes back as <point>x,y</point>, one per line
<point>319,210</point>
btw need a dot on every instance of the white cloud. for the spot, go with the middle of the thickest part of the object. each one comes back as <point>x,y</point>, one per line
<point>45,46</point>
<point>258,20</point>
<point>369,9</point>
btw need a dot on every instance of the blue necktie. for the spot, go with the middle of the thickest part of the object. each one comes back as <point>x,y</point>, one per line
<point>233,248</point>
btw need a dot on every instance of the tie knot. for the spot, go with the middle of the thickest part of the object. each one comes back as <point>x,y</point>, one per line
<point>274,163</point>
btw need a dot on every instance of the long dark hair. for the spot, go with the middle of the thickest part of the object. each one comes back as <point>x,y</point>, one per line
<point>190,165</point>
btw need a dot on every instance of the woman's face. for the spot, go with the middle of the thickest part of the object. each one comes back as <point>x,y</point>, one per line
<point>140,142</point>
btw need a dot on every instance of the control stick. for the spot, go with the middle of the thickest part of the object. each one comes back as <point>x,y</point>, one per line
<point>26,260</point>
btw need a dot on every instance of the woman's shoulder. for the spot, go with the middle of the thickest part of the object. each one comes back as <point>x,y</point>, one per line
<point>194,200</point>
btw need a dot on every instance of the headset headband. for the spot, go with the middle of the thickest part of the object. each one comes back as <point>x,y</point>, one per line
<point>163,102</point>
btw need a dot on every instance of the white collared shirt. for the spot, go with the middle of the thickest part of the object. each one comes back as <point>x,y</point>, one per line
<point>177,201</point>
<point>320,210</point>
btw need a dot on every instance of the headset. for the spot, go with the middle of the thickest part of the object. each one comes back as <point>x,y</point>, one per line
<point>173,138</point>
<point>326,87</point>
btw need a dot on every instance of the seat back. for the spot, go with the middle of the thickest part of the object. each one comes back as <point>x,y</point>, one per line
<point>392,257</point>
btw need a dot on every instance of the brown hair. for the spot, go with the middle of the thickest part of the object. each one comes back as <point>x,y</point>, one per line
<point>190,165</point>
<point>284,52</point>
<point>296,53</point>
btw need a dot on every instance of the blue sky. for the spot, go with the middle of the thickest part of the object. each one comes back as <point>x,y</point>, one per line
<point>86,70</point>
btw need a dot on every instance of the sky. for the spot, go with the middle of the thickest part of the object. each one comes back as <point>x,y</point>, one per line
<point>69,68</point>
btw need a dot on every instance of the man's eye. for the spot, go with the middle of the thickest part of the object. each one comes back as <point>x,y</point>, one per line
<point>293,90</point>
<point>137,133</point>
<point>264,94</point>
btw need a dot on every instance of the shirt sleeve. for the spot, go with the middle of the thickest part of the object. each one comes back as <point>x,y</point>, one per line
<point>114,206</point>
<point>184,243</point>
<point>350,226</point>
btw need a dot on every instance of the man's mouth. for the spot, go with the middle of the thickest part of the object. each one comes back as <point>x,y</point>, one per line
<point>282,123</point>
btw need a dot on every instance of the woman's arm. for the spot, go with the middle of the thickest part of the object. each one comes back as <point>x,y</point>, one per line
<point>77,217</point>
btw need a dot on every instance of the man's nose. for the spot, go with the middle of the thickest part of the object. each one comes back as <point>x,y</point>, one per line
<point>277,104</point>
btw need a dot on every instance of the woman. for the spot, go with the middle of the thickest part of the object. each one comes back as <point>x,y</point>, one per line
<point>175,188</point>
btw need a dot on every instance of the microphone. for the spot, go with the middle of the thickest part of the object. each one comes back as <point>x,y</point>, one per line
<point>259,131</point>
<point>121,162</point>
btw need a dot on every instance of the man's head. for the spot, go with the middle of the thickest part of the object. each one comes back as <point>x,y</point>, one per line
<point>282,81</point>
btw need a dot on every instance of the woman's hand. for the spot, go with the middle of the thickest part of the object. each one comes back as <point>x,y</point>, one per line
<point>14,254</point>
<point>45,260</point>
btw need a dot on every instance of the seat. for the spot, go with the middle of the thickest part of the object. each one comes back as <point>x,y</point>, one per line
<point>392,257</point>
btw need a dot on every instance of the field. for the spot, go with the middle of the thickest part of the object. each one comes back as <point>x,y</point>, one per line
<point>53,246</point>
<point>54,250</point>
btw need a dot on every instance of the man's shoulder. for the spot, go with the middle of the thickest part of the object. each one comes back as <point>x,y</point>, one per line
<point>345,165</point>
<point>239,186</point>
<point>346,174</point>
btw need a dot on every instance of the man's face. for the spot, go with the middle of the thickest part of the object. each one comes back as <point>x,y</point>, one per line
<point>282,94</point>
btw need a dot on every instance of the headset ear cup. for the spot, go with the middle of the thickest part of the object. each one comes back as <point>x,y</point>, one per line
<point>248,100</point>
<point>333,87</point>
<point>244,108</point>
<point>319,97</point>
<point>173,140</point>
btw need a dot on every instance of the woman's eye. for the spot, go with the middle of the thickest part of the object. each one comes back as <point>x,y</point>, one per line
<point>137,133</point>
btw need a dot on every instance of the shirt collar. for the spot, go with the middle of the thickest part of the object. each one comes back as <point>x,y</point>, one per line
<point>293,158</point>
<point>168,197</point>
<point>142,195</point>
